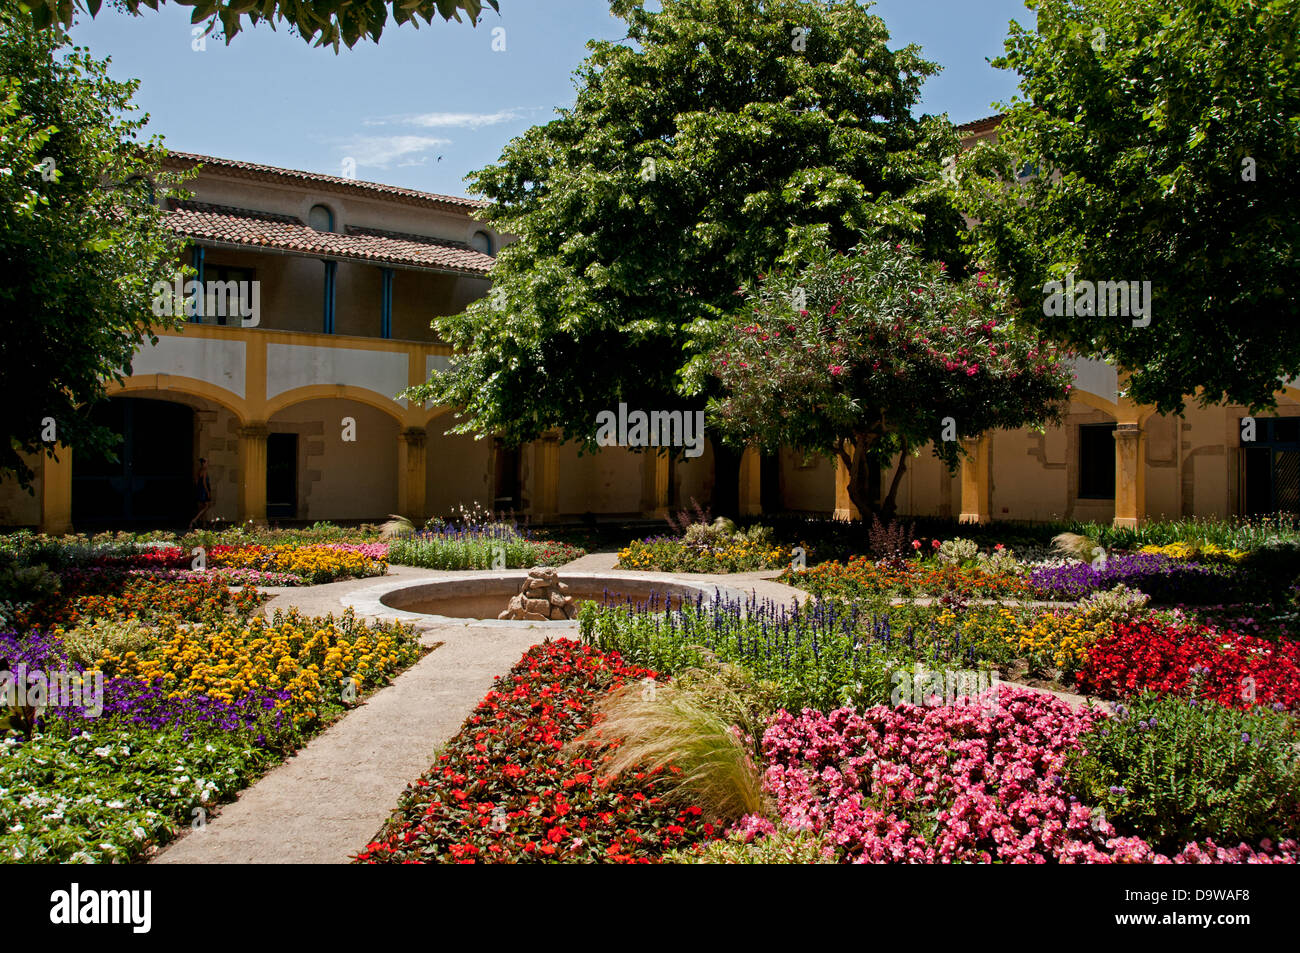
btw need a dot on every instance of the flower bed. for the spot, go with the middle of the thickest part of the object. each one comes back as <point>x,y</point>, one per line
<point>1164,579</point>
<point>965,783</point>
<point>312,661</point>
<point>820,655</point>
<point>1239,671</point>
<point>316,564</point>
<point>479,546</point>
<point>864,578</point>
<point>125,594</point>
<point>504,791</point>
<point>668,554</point>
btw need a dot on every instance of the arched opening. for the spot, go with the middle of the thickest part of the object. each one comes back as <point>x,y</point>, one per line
<point>147,480</point>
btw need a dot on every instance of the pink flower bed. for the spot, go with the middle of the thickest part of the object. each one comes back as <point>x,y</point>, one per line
<point>972,783</point>
<point>369,550</point>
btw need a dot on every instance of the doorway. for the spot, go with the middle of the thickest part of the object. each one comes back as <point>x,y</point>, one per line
<point>1271,463</point>
<point>147,480</point>
<point>282,476</point>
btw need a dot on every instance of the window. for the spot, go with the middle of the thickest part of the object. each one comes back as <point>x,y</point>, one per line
<point>1097,462</point>
<point>321,218</point>
<point>225,288</point>
<point>481,242</point>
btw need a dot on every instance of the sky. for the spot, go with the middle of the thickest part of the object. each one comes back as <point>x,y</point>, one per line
<point>424,107</point>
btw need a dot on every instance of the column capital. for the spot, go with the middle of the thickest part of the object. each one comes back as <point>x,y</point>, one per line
<point>257,430</point>
<point>414,436</point>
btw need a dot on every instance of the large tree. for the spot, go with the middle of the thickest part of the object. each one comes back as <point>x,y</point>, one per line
<point>81,240</point>
<point>326,22</point>
<point>873,355</point>
<point>689,155</point>
<point>1157,140</point>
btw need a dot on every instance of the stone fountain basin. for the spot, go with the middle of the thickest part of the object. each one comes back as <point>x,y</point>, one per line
<point>477,598</point>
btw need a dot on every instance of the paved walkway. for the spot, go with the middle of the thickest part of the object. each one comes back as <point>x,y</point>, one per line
<point>322,805</point>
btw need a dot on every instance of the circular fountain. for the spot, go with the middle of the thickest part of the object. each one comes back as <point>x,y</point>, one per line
<point>479,598</point>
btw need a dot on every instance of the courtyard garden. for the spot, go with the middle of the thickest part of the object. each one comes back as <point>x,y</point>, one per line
<point>1097,696</point>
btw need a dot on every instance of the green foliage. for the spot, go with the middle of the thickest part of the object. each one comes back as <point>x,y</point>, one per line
<point>826,655</point>
<point>497,549</point>
<point>22,586</point>
<point>1173,771</point>
<point>86,644</point>
<point>82,240</point>
<point>325,21</point>
<point>782,847</point>
<point>687,158</point>
<point>874,353</point>
<point>1141,124</point>
<point>109,795</point>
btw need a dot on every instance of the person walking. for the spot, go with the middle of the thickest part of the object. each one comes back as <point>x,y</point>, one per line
<point>202,493</point>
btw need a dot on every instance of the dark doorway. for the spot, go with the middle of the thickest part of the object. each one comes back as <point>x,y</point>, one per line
<point>1272,467</point>
<point>506,478</point>
<point>151,483</point>
<point>1097,462</point>
<point>282,476</point>
<point>726,481</point>
<point>769,488</point>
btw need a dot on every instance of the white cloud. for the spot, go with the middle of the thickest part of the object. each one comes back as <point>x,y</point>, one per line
<point>382,151</point>
<point>450,120</point>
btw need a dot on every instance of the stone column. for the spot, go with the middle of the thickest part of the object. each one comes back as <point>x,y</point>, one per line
<point>1130,476</point>
<point>751,482</point>
<point>976,502</point>
<point>411,472</point>
<point>546,479</point>
<point>252,473</point>
<point>56,492</point>
<point>654,484</point>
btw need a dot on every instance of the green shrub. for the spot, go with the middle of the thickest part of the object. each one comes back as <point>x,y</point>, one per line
<point>782,847</point>
<point>1173,771</point>
<point>86,644</point>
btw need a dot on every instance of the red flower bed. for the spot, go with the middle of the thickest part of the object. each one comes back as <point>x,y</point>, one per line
<point>1239,671</point>
<point>505,792</point>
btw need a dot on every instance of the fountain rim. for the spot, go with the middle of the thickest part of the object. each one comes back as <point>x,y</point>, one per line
<point>369,601</point>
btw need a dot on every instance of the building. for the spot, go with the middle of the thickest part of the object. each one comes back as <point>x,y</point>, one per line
<point>297,414</point>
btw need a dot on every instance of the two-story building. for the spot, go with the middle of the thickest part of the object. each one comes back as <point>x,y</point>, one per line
<point>297,414</point>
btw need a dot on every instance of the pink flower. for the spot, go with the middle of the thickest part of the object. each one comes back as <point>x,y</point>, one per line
<point>934,544</point>
<point>916,544</point>
<point>836,369</point>
<point>998,548</point>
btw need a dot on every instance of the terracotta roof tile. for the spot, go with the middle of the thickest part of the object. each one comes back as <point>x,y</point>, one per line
<point>254,170</point>
<point>220,223</point>
<point>977,126</point>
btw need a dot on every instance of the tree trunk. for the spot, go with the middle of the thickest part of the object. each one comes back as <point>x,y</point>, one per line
<point>864,477</point>
<point>890,503</point>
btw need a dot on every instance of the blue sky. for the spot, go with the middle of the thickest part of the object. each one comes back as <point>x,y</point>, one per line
<point>441,90</point>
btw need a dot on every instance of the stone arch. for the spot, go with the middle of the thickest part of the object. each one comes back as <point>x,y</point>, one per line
<point>361,395</point>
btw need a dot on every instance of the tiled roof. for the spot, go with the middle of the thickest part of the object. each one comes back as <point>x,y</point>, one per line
<point>220,223</point>
<point>337,183</point>
<point>977,126</point>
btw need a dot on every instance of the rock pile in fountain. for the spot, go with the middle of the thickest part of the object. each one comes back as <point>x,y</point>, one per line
<point>541,599</point>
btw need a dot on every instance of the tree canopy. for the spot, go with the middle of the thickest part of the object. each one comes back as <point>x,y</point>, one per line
<point>327,22</point>
<point>689,156</point>
<point>1158,142</point>
<point>81,240</point>
<point>875,353</point>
